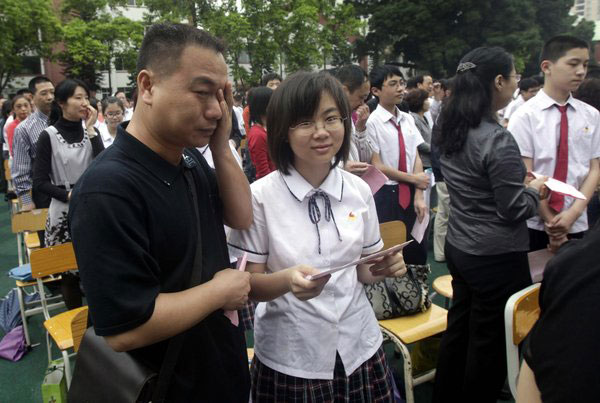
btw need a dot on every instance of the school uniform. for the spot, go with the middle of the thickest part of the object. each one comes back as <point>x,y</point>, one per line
<point>383,129</point>
<point>536,126</point>
<point>329,347</point>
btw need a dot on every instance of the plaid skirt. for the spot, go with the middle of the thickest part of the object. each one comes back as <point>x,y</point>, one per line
<point>246,315</point>
<point>369,383</point>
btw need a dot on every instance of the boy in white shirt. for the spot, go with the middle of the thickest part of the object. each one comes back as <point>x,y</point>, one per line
<point>559,136</point>
<point>401,198</point>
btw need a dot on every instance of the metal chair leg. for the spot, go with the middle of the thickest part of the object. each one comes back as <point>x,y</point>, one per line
<point>23,315</point>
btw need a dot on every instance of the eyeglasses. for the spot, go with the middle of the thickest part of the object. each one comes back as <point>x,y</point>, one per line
<point>310,126</point>
<point>396,84</point>
<point>516,76</point>
<point>114,114</point>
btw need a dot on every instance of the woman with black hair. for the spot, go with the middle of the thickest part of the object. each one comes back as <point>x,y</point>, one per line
<point>257,137</point>
<point>487,239</point>
<point>418,104</point>
<point>64,151</point>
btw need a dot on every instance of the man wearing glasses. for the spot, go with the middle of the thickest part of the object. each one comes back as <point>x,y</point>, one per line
<point>395,139</point>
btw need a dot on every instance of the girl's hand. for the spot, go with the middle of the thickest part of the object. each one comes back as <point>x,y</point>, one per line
<point>390,266</point>
<point>302,288</point>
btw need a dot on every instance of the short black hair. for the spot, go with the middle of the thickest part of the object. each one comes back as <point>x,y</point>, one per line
<point>352,76</point>
<point>163,44</point>
<point>269,77</point>
<point>414,81</point>
<point>557,46</point>
<point>297,100</point>
<point>23,91</point>
<point>527,83</point>
<point>593,70</point>
<point>416,99</point>
<point>379,74</point>
<point>589,92</point>
<point>35,81</point>
<point>257,103</point>
<point>64,90</point>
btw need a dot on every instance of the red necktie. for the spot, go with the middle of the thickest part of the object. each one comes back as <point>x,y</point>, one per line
<point>557,201</point>
<point>403,188</point>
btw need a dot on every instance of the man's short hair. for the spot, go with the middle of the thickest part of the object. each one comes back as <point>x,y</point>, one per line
<point>381,73</point>
<point>352,76</point>
<point>556,47</point>
<point>527,83</point>
<point>593,71</point>
<point>589,92</point>
<point>35,81</point>
<point>23,91</point>
<point>413,82</point>
<point>269,77</point>
<point>163,44</point>
<point>297,100</point>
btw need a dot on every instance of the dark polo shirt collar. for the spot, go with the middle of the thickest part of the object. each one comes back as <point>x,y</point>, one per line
<point>145,156</point>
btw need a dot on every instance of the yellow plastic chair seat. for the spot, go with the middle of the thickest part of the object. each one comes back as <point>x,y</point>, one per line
<point>410,329</point>
<point>443,286</point>
<point>32,283</point>
<point>32,240</point>
<point>59,328</point>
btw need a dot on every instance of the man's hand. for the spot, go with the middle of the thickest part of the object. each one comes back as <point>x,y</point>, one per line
<point>219,142</point>
<point>302,288</point>
<point>420,208</point>
<point>235,286</point>
<point>421,180</point>
<point>390,266</point>
<point>363,115</point>
<point>356,167</point>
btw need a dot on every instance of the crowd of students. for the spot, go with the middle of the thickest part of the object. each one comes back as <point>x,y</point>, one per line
<point>145,197</point>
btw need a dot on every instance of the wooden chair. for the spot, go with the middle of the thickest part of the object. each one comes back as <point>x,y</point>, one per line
<point>443,286</point>
<point>51,261</point>
<point>28,222</point>
<point>410,329</point>
<point>520,314</point>
<point>22,223</point>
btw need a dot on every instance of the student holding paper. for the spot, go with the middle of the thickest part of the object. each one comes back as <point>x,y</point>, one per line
<point>487,242</point>
<point>559,136</point>
<point>315,340</point>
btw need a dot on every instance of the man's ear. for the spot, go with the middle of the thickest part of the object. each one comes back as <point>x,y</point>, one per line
<point>545,66</point>
<point>375,91</point>
<point>145,82</point>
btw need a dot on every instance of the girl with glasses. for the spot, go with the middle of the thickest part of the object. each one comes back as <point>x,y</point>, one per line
<point>114,111</point>
<point>315,340</point>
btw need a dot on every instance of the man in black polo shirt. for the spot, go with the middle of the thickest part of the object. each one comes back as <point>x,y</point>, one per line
<point>134,225</point>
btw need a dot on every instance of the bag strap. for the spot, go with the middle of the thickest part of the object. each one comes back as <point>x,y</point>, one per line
<point>174,348</point>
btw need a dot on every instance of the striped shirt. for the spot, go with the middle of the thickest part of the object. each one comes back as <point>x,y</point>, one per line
<point>24,148</point>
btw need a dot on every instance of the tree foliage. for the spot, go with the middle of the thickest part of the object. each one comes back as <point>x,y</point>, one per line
<point>93,37</point>
<point>435,34</point>
<point>26,28</point>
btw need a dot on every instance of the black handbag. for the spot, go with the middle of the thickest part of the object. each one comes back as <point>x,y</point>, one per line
<point>103,375</point>
<point>400,296</point>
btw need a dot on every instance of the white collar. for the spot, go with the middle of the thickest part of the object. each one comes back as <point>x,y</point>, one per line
<point>299,187</point>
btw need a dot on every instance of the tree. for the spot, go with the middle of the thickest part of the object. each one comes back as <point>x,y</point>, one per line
<point>26,28</point>
<point>93,38</point>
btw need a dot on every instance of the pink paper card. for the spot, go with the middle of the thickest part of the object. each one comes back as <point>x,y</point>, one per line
<point>561,187</point>
<point>233,315</point>
<point>419,228</point>
<point>537,263</point>
<point>374,178</point>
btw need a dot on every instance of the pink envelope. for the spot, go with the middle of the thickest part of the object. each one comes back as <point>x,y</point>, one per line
<point>233,315</point>
<point>374,178</point>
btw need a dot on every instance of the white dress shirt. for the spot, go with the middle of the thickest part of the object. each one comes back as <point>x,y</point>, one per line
<point>360,145</point>
<point>536,127</point>
<point>513,106</point>
<point>384,138</point>
<point>300,338</point>
<point>107,139</point>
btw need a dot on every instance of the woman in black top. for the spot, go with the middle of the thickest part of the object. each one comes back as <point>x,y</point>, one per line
<point>487,241</point>
<point>64,151</point>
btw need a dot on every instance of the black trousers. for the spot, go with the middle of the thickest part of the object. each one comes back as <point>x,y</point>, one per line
<point>539,239</point>
<point>388,209</point>
<point>472,360</point>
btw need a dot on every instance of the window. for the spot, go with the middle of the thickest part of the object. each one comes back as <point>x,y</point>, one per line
<point>30,65</point>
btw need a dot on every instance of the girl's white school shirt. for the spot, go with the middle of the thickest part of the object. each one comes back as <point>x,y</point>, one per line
<point>300,338</point>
